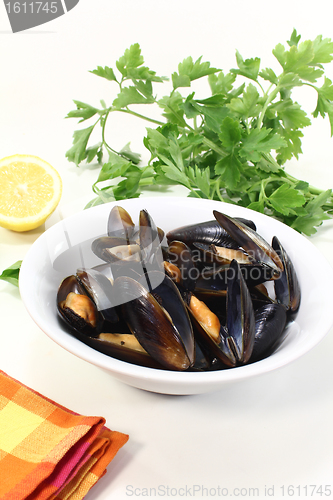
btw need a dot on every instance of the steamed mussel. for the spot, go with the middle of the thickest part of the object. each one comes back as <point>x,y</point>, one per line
<point>194,299</point>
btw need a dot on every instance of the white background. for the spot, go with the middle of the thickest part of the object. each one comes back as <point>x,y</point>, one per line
<point>270,431</point>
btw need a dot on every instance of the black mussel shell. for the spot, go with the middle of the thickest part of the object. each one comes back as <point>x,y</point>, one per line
<point>270,324</point>
<point>120,223</point>
<point>150,243</point>
<point>114,248</point>
<point>214,254</point>
<point>121,346</point>
<point>204,361</point>
<point>209,232</point>
<point>260,296</point>
<point>216,347</point>
<point>100,289</point>
<point>214,280</point>
<point>170,297</point>
<point>256,246</point>
<point>77,322</point>
<point>111,345</point>
<point>287,287</point>
<point>152,318</point>
<point>180,255</point>
<point>240,316</point>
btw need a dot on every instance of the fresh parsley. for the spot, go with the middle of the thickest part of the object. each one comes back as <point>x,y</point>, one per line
<point>11,274</point>
<point>231,146</point>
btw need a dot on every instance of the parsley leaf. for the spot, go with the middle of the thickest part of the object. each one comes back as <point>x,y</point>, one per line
<point>315,214</point>
<point>132,95</point>
<point>229,170</point>
<point>77,153</point>
<point>231,133</point>
<point>84,111</point>
<point>285,198</point>
<point>11,274</point>
<point>189,71</point>
<point>105,72</point>
<point>260,141</point>
<point>246,105</point>
<point>248,68</point>
<point>294,39</point>
<point>201,179</point>
<point>132,58</point>
<point>220,83</point>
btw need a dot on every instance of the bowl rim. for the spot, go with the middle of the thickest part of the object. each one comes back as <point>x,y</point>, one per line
<point>121,368</point>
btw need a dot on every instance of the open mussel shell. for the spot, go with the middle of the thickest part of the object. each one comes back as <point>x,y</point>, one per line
<point>171,300</point>
<point>149,240</point>
<point>118,343</point>
<point>100,289</point>
<point>256,246</point>
<point>180,255</point>
<point>209,232</point>
<point>161,234</point>
<point>240,316</point>
<point>260,296</point>
<point>159,320</point>
<point>287,287</point>
<point>173,271</point>
<point>214,254</point>
<point>115,248</point>
<point>77,308</point>
<point>214,280</point>
<point>212,284</point>
<point>120,223</point>
<point>233,343</point>
<point>123,346</point>
<point>270,323</point>
<point>209,331</point>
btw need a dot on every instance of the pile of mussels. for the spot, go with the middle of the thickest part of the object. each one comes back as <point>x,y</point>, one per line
<point>197,303</point>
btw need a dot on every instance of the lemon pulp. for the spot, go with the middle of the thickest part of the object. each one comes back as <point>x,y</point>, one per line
<point>30,190</point>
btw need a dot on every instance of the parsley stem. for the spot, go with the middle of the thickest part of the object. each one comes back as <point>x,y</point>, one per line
<point>103,132</point>
<point>146,181</point>
<point>218,189</point>
<point>269,99</point>
<point>262,88</point>
<point>214,147</point>
<point>196,194</point>
<point>262,195</point>
<point>272,160</point>
<point>106,115</point>
<point>130,112</point>
<point>312,190</point>
<point>289,178</point>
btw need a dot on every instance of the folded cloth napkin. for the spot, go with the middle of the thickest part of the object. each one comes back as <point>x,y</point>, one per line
<point>47,451</point>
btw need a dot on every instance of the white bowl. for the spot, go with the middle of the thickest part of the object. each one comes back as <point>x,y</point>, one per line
<point>65,246</point>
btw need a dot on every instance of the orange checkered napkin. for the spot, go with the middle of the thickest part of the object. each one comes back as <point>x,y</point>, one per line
<point>47,451</point>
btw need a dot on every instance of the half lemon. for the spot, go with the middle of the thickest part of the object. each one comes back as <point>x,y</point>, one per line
<point>30,190</point>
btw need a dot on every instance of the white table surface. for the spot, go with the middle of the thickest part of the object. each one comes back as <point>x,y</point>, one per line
<point>254,437</point>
